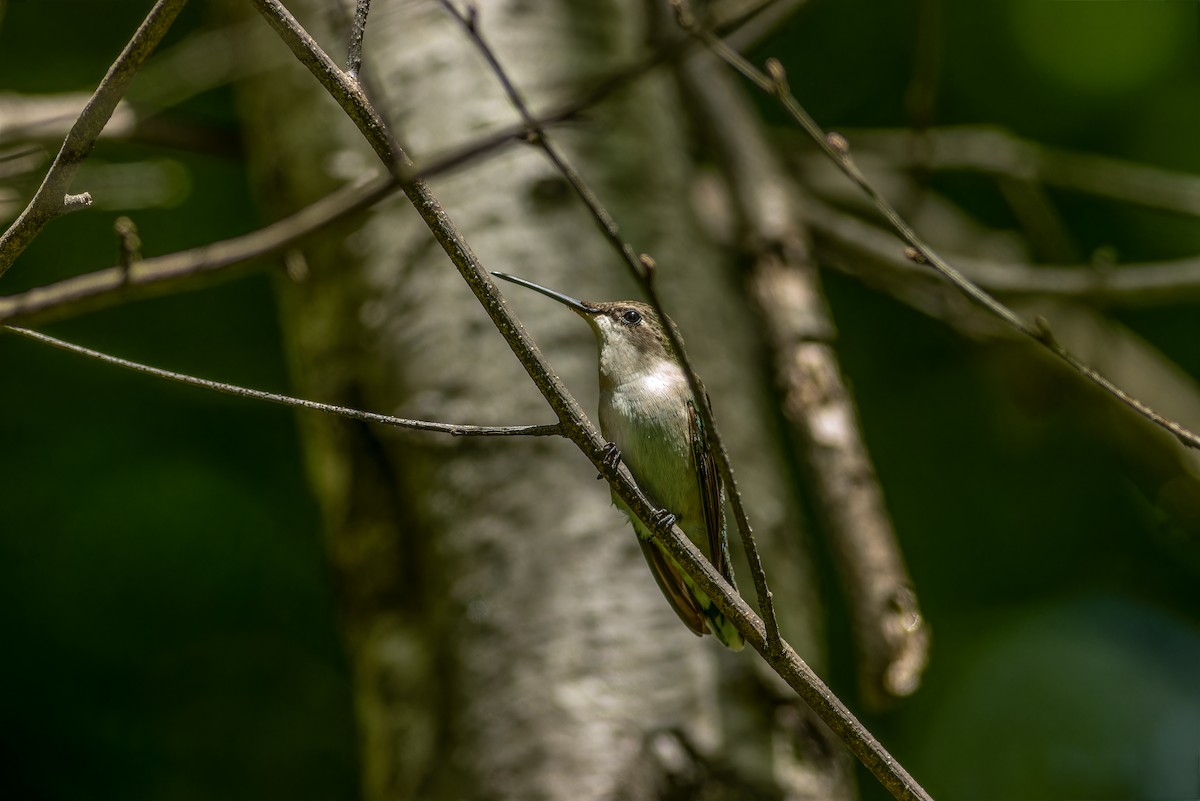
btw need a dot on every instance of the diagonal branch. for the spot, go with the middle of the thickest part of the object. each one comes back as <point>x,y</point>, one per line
<point>104,288</point>
<point>287,400</point>
<point>858,248</point>
<point>358,30</point>
<point>51,199</point>
<point>835,146</point>
<point>641,266</point>
<point>890,633</point>
<point>577,427</point>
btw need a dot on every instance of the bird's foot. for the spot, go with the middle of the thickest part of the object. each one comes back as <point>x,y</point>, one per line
<point>663,518</point>
<point>610,459</point>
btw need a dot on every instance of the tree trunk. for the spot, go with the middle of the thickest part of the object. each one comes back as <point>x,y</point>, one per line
<point>507,639</point>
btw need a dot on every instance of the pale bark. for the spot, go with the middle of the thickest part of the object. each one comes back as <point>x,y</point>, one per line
<point>506,637</point>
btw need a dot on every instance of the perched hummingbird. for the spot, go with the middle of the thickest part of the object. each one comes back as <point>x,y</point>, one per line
<point>648,414</point>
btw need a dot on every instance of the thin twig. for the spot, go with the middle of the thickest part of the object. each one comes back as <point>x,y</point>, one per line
<point>453,429</point>
<point>782,280</point>
<point>357,30</point>
<point>766,602</point>
<point>577,427</point>
<point>993,151</point>
<point>856,246</point>
<point>837,149</point>
<point>105,287</point>
<point>145,277</point>
<point>52,199</point>
<point>639,266</point>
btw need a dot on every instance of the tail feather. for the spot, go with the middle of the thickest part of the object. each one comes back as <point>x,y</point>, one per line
<point>691,603</point>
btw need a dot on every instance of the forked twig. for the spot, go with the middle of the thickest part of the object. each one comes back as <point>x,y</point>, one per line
<point>837,149</point>
<point>103,288</point>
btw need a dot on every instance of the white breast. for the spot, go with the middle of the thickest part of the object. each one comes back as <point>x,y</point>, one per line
<point>647,418</point>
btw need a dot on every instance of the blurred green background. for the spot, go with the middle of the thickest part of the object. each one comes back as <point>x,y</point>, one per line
<point>167,623</point>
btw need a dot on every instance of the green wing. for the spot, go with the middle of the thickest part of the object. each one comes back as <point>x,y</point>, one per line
<point>709,479</point>
<point>690,603</point>
<point>714,521</point>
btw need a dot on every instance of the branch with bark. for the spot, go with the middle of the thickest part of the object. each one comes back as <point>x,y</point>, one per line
<point>781,232</point>
<point>52,198</point>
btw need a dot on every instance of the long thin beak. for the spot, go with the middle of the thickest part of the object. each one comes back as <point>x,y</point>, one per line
<point>566,300</point>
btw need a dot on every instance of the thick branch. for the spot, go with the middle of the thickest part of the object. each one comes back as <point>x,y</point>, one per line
<point>782,279</point>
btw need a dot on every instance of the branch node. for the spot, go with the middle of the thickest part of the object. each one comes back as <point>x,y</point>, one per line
<point>778,77</point>
<point>129,244</point>
<point>76,202</point>
<point>649,267</point>
<point>1042,332</point>
<point>683,15</point>
<point>295,265</point>
<point>838,143</point>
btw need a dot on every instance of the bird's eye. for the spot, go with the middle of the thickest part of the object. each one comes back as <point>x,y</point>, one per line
<point>631,316</point>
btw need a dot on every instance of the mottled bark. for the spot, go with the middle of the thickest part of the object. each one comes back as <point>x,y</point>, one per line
<point>507,639</point>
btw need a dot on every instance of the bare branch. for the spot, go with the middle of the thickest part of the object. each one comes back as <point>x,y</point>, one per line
<point>106,287</point>
<point>577,427</point>
<point>46,117</point>
<point>48,202</point>
<point>854,246</point>
<point>286,400</point>
<point>147,277</point>
<point>641,268</point>
<point>793,670</point>
<point>996,152</point>
<point>357,31</point>
<point>782,279</point>
<point>837,149</point>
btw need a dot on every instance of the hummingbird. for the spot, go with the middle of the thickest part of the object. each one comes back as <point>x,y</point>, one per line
<point>649,416</point>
